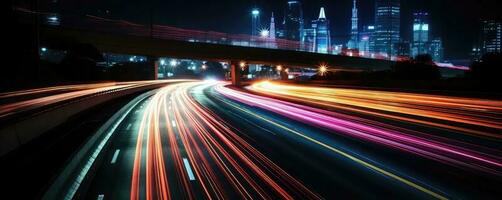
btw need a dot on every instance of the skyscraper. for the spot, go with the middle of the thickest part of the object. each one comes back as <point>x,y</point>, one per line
<point>367,41</point>
<point>309,37</point>
<point>255,22</point>
<point>322,34</point>
<point>490,36</point>
<point>354,32</point>
<point>387,26</point>
<point>293,21</point>
<point>272,27</point>
<point>436,50</point>
<point>420,44</point>
<point>272,33</point>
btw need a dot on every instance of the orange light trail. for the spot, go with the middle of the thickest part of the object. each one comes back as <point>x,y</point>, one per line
<point>64,93</point>
<point>442,111</point>
<point>218,155</point>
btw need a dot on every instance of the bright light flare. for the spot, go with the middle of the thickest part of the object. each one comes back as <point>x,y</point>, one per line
<point>264,33</point>
<point>323,69</point>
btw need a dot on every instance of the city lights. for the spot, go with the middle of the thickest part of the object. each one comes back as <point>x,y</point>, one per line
<point>252,99</point>
<point>264,33</point>
<point>323,69</point>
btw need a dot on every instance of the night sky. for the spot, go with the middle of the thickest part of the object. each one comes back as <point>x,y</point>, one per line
<point>455,21</point>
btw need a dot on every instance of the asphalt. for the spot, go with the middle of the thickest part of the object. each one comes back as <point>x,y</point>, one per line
<point>190,140</point>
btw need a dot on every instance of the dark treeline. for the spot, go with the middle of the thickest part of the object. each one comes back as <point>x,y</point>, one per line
<point>422,73</point>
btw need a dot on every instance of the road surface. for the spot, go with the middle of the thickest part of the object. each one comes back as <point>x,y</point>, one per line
<point>205,140</point>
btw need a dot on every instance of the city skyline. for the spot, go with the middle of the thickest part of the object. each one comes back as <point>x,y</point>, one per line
<point>252,99</point>
<point>234,17</point>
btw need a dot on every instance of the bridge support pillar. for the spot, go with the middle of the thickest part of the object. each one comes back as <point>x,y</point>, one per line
<point>235,73</point>
<point>154,62</point>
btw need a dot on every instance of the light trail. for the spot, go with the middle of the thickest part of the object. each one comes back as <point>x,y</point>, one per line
<point>387,135</point>
<point>441,111</point>
<point>347,155</point>
<point>203,140</point>
<point>68,92</point>
<point>219,156</point>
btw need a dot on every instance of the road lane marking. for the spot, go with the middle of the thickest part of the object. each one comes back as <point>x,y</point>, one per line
<point>342,153</point>
<point>189,169</point>
<point>101,197</point>
<point>115,156</point>
<point>174,123</point>
<point>128,126</point>
<point>85,169</point>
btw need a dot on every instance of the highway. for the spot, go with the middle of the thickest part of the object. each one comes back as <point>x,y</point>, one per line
<point>201,140</point>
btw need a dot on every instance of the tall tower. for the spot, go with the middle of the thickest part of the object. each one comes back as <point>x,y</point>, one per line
<point>354,31</point>
<point>420,33</point>
<point>491,36</point>
<point>255,21</point>
<point>272,27</point>
<point>293,21</point>
<point>387,26</point>
<point>322,34</point>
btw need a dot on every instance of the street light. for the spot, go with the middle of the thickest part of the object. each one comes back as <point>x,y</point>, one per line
<point>242,64</point>
<point>204,66</point>
<point>173,63</point>
<point>323,69</point>
<point>255,12</point>
<point>264,33</point>
<point>279,67</point>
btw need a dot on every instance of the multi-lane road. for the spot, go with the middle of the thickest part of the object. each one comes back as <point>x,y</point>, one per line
<point>197,140</point>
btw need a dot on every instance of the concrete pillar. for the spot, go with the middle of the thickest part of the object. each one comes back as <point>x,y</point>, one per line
<point>156,69</point>
<point>235,73</point>
<point>154,62</point>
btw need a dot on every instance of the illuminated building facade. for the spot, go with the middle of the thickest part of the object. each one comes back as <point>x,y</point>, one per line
<point>420,33</point>
<point>387,26</point>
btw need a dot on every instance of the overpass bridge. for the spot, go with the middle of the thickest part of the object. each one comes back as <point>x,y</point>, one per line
<point>162,41</point>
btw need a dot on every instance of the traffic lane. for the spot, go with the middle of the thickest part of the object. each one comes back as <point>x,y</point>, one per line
<point>470,116</point>
<point>332,172</point>
<point>199,158</point>
<point>113,175</point>
<point>445,150</point>
<point>456,179</point>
